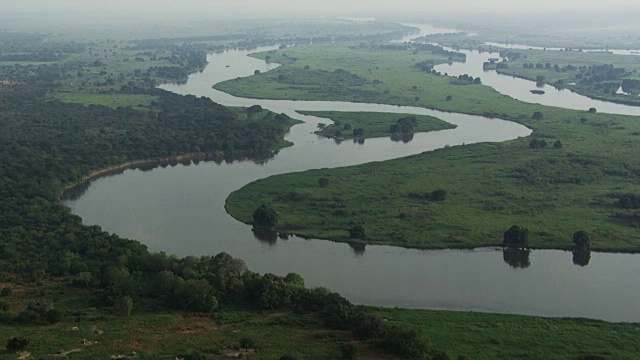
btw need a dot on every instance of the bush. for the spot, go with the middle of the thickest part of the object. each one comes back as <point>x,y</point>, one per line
<point>626,201</point>
<point>537,144</point>
<point>408,344</point>
<point>17,344</point>
<point>438,195</point>
<point>349,351</point>
<point>537,115</point>
<point>368,327</point>
<point>247,343</point>
<point>7,291</point>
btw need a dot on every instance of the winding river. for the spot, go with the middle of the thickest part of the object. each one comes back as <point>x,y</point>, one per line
<point>180,210</point>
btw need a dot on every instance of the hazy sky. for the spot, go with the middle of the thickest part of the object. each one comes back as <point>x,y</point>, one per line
<point>324,6</point>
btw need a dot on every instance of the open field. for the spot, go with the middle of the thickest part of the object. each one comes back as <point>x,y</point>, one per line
<point>552,191</point>
<point>492,336</point>
<point>85,331</point>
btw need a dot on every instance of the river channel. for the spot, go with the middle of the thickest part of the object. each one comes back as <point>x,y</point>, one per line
<point>180,210</point>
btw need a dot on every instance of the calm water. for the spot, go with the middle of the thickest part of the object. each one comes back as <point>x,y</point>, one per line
<point>520,89</point>
<point>180,210</point>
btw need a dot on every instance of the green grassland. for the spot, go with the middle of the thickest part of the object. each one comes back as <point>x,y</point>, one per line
<point>373,124</point>
<point>553,192</point>
<point>154,334</point>
<point>492,336</point>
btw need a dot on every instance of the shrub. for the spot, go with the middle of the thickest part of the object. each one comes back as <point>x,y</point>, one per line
<point>247,343</point>
<point>349,351</point>
<point>17,344</point>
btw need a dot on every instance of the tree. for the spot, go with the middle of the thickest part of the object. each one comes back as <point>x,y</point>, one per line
<point>256,72</point>
<point>537,144</point>
<point>255,109</point>
<point>349,351</point>
<point>537,115</point>
<point>449,97</point>
<point>265,217</point>
<point>126,305</point>
<point>516,237</point>
<point>17,344</point>
<point>357,232</point>
<point>581,239</point>
<point>165,282</point>
<point>593,110</point>
<point>557,145</point>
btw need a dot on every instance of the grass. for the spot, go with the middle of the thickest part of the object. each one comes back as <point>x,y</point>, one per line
<point>493,336</point>
<point>553,192</point>
<point>373,124</point>
<point>156,334</point>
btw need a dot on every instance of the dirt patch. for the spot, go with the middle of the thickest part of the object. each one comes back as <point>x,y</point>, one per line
<point>63,353</point>
<point>238,353</point>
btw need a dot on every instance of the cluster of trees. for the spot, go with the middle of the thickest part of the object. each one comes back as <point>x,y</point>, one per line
<point>630,86</point>
<point>536,143</point>
<point>467,79</point>
<point>45,145</point>
<point>404,125</point>
<point>439,50</point>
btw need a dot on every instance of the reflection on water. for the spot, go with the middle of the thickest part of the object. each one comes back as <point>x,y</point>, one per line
<point>358,248</point>
<point>581,257</point>
<point>517,258</point>
<point>266,236</point>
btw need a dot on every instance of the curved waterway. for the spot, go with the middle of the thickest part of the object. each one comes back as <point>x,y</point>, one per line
<point>180,210</point>
<point>520,89</point>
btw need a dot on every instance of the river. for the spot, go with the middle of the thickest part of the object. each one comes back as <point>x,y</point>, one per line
<point>180,210</point>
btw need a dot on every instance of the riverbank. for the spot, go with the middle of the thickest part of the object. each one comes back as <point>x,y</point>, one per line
<point>552,191</point>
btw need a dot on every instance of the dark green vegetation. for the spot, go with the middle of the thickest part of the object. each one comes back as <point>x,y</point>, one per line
<point>345,124</point>
<point>570,178</point>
